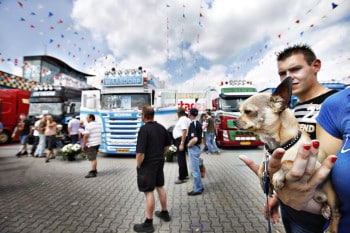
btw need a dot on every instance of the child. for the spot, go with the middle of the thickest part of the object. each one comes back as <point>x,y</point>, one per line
<point>81,131</point>
<point>59,136</point>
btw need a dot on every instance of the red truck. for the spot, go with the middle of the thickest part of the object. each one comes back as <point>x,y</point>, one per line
<point>13,102</point>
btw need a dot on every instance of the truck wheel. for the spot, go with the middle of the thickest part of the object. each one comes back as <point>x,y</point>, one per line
<point>5,137</point>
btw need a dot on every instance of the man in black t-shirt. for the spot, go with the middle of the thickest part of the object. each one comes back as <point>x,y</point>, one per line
<point>153,141</point>
<point>23,127</point>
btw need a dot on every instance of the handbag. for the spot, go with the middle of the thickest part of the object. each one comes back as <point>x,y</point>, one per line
<point>202,167</point>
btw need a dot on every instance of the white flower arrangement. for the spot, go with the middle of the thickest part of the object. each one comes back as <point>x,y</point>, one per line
<point>71,149</point>
<point>172,148</point>
<point>170,153</point>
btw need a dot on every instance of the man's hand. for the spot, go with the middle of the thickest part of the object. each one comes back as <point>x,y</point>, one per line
<point>181,147</point>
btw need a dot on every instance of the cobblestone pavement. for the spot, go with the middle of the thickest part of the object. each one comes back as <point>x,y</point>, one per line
<point>55,197</point>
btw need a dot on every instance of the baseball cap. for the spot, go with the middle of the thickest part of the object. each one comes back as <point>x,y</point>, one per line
<point>193,111</point>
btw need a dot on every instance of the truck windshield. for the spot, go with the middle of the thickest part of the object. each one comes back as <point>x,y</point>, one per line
<point>36,109</point>
<point>232,103</point>
<point>125,101</point>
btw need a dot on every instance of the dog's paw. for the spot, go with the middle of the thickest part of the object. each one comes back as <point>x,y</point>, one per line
<point>278,180</point>
<point>326,211</point>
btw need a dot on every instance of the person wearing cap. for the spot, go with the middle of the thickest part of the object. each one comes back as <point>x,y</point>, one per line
<point>194,138</point>
<point>180,134</point>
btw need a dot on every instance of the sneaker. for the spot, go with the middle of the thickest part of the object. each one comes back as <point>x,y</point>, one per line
<point>144,227</point>
<point>193,193</point>
<point>180,181</point>
<point>91,174</point>
<point>164,214</point>
<point>218,152</point>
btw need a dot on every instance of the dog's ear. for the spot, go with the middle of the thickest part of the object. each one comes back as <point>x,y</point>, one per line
<point>283,93</point>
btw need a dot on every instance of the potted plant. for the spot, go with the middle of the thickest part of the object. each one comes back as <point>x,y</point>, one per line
<point>170,153</point>
<point>70,151</point>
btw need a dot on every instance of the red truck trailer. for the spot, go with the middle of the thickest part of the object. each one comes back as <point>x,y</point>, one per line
<point>13,102</point>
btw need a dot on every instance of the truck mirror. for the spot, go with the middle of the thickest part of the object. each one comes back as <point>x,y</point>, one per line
<point>72,108</point>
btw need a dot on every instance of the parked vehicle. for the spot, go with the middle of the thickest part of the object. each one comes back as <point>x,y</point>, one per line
<point>226,111</point>
<point>13,102</point>
<point>59,101</point>
<point>118,105</point>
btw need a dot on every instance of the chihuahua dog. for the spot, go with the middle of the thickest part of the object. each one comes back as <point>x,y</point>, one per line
<point>269,116</point>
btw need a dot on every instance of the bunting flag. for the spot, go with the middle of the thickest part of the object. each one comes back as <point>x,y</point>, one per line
<point>54,33</point>
<point>298,24</point>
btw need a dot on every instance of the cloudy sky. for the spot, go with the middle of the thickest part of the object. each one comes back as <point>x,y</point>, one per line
<point>190,44</point>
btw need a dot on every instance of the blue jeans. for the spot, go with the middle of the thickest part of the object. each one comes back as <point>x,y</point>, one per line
<point>74,138</point>
<point>23,139</point>
<point>210,141</point>
<point>194,153</point>
<point>300,221</point>
<point>40,150</point>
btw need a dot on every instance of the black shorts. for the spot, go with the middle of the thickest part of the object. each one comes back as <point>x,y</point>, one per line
<point>51,142</point>
<point>150,175</point>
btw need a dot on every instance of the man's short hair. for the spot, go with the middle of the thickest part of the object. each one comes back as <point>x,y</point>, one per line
<point>304,49</point>
<point>194,112</point>
<point>181,111</point>
<point>148,112</point>
<point>92,117</point>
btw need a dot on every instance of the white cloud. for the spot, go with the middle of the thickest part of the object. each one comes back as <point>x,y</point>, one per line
<point>145,33</point>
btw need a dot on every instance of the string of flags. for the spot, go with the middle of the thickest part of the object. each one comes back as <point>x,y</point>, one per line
<point>254,55</point>
<point>56,34</point>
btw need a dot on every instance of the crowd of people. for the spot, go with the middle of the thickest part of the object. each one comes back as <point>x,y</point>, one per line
<point>49,137</point>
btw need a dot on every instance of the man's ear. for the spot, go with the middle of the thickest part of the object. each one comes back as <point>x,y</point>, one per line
<point>283,93</point>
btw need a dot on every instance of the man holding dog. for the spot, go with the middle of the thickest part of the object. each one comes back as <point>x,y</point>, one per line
<point>300,63</point>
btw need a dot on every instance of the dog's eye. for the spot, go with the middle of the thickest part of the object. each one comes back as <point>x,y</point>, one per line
<point>247,112</point>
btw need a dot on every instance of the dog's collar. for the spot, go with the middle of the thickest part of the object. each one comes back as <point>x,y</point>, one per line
<point>286,145</point>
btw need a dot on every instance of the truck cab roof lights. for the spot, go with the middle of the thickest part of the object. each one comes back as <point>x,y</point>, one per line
<point>43,87</point>
<point>126,72</point>
<point>236,82</point>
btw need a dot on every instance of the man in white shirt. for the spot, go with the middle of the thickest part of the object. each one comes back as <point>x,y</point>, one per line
<point>91,143</point>
<point>179,134</point>
<point>73,129</point>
